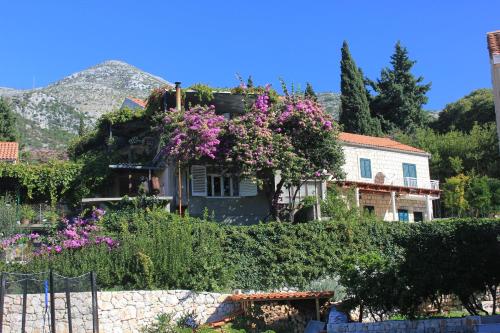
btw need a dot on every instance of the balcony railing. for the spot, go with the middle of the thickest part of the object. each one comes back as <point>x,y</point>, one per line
<point>407,182</point>
<point>414,182</point>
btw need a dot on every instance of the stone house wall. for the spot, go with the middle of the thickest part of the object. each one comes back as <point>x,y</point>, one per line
<point>119,311</point>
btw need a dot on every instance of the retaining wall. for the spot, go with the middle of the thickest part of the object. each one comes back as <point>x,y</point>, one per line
<point>119,311</point>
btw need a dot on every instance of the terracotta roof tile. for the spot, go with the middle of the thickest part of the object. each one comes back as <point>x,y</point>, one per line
<point>283,296</point>
<point>373,141</point>
<point>138,101</point>
<point>9,151</point>
<point>493,39</point>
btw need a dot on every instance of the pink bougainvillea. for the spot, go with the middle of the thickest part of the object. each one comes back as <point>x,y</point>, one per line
<point>194,133</point>
<point>76,233</point>
<point>293,136</point>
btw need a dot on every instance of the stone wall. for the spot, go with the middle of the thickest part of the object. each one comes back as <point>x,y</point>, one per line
<point>449,325</point>
<point>119,311</point>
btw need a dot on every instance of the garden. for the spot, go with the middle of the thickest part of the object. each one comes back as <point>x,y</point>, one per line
<point>388,268</point>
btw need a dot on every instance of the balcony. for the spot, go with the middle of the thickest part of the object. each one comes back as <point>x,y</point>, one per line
<point>414,182</point>
<point>406,182</point>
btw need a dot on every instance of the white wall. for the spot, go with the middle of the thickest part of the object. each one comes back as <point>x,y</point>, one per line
<point>495,77</point>
<point>390,163</point>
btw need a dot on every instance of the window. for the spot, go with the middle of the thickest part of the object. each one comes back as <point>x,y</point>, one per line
<point>403,215</point>
<point>418,216</point>
<point>369,209</point>
<point>207,181</point>
<point>222,186</point>
<point>410,174</point>
<point>366,168</point>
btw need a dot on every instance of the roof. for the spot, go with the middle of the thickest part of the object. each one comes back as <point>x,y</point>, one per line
<point>282,296</point>
<point>138,101</point>
<point>9,151</point>
<point>493,39</point>
<point>373,141</point>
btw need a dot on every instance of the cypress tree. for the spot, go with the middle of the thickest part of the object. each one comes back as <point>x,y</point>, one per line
<point>8,130</point>
<point>81,127</point>
<point>400,95</point>
<point>309,93</point>
<point>250,82</point>
<point>355,111</point>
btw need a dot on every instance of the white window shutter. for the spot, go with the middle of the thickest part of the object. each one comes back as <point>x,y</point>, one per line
<point>248,188</point>
<point>198,181</point>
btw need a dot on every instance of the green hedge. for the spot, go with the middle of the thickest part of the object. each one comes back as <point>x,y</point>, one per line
<point>386,266</point>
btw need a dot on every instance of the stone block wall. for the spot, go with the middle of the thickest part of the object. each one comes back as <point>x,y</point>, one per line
<point>449,325</point>
<point>119,311</point>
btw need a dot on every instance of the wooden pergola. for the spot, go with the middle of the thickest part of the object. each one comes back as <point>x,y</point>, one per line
<point>247,300</point>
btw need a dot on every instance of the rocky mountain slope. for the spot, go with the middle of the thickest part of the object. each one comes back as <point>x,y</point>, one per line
<point>50,116</point>
<point>331,102</point>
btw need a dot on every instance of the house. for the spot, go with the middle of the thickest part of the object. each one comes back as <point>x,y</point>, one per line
<point>389,178</point>
<point>9,152</point>
<point>493,41</point>
<point>133,103</point>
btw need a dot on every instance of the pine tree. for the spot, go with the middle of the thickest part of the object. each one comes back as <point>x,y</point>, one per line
<point>355,111</point>
<point>400,95</point>
<point>309,93</point>
<point>8,130</point>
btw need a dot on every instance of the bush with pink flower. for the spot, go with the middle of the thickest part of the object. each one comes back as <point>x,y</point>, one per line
<point>73,234</point>
<point>292,136</point>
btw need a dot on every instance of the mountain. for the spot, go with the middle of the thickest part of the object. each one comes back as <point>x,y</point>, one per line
<point>50,116</point>
<point>331,102</point>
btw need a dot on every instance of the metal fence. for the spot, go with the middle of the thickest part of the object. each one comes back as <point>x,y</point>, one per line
<point>48,303</point>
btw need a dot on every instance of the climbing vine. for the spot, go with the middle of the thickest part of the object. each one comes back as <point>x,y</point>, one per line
<point>51,180</point>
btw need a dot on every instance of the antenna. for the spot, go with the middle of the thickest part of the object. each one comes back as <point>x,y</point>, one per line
<point>33,82</point>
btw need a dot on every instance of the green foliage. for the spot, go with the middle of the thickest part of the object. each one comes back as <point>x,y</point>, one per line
<point>51,180</point>
<point>476,107</point>
<point>454,195</point>
<point>454,152</point>
<point>471,195</point>
<point>26,212</point>
<point>339,206</point>
<point>8,216</point>
<point>452,257</point>
<point>163,324</point>
<point>385,267</point>
<point>204,92</point>
<point>355,111</point>
<point>400,95</point>
<point>309,93</point>
<point>8,130</point>
<point>371,280</point>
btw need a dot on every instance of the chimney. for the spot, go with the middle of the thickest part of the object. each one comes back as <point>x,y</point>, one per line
<point>178,95</point>
<point>493,41</point>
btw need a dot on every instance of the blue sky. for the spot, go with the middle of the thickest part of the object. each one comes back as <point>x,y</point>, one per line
<point>210,41</point>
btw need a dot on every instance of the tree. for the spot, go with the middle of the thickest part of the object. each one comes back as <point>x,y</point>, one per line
<point>8,131</point>
<point>355,111</point>
<point>81,127</point>
<point>250,82</point>
<point>476,107</point>
<point>309,93</point>
<point>293,138</point>
<point>455,151</point>
<point>400,95</point>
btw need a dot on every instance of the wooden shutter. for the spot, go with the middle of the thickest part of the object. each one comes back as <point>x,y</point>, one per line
<point>248,188</point>
<point>366,168</point>
<point>198,181</point>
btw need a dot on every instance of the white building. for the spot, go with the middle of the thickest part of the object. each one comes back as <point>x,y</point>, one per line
<point>389,178</point>
<point>493,39</point>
